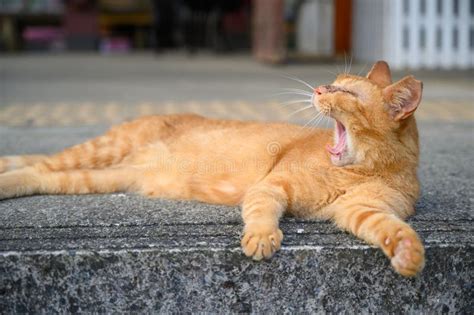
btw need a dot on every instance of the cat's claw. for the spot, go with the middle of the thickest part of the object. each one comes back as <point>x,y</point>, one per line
<point>261,242</point>
<point>408,254</point>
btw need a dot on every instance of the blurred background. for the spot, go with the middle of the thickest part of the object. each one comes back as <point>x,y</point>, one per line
<point>88,62</point>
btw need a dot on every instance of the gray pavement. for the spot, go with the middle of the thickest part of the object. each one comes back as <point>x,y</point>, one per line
<point>132,79</point>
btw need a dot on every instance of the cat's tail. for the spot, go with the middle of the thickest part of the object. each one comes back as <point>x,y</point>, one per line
<point>97,153</point>
<point>13,162</point>
<point>30,181</point>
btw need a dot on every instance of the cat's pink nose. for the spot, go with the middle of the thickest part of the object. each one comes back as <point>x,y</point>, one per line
<point>318,90</point>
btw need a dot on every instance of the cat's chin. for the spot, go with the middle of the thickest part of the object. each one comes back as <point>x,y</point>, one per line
<point>341,160</point>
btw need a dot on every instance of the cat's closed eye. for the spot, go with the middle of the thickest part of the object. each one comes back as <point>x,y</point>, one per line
<point>350,92</point>
<point>334,89</point>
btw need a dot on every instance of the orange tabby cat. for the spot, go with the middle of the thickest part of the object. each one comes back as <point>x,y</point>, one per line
<point>366,182</point>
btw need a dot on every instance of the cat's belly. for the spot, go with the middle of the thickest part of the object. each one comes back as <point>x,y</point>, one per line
<point>206,175</point>
<point>216,165</point>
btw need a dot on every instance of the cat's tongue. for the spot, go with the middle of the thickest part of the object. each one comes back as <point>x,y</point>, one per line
<point>341,140</point>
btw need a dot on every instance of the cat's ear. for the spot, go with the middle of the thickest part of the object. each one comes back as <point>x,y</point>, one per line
<point>380,74</point>
<point>403,97</point>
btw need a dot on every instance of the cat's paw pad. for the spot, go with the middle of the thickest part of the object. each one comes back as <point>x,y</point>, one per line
<point>261,241</point>
<point>408,254</point>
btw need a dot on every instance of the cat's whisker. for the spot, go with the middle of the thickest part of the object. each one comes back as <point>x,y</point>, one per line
<point>297,90</point>
<point>321,123</point>
<point>300,81</point>
<point>362,69</point>
<point>310,124</point>
<point>329,71</point>
<point>297,102</point>
<point>327,122</point>
<point>350,64</point>
<point>312,119</point>
<point>289,94</point>
<point>293,93</point>
<point>318,121</point>
<point>300,110</point>
<point>345,63</point>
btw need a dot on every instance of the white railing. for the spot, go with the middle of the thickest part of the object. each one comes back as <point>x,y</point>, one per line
<point>415,33</point>
<point>315,28</point>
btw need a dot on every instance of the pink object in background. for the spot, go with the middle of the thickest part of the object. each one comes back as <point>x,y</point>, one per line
<point>43,38</point>
<point>42,33</point>
<point>115,45</point>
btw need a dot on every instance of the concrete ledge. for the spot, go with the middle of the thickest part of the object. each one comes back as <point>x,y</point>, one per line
<point>119,253</point>
<point>299,279</point>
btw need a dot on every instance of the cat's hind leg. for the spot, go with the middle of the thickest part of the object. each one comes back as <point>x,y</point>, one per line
<point>30,181</point>
<point>13,162</point>
<point>97,153</point>
<point>106,150</point>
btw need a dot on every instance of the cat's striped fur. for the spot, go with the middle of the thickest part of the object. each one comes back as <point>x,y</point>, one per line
<point>366,183</point>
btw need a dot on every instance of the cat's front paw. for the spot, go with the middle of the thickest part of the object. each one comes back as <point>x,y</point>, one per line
<point>408,253</point>
<point>261,241</point>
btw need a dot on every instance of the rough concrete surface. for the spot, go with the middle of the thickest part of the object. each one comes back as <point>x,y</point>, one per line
<point>120,252</point>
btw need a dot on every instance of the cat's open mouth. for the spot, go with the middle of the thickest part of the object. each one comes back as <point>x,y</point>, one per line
<point>341,142</point>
